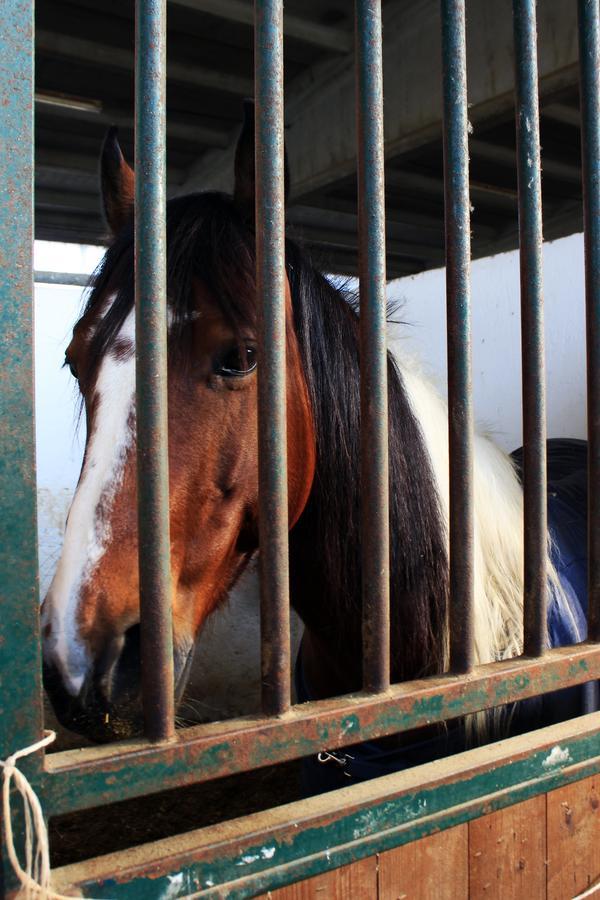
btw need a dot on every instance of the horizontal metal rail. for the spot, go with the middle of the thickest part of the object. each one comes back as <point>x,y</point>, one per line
<point>257,853</point>
<point>77,779</point>
<point>75,279</point>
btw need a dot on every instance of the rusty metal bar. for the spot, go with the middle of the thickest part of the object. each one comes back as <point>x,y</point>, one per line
<point>156,629</point>
<point>81,778</point>
<point>535,600</point>
<point>589,63</point>
<point>20,666</point>
<point>270,279</point>
<point>373,349</point>
<point>460,402</point>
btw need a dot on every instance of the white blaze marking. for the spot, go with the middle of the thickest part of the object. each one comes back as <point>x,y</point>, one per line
<point>88,529</point>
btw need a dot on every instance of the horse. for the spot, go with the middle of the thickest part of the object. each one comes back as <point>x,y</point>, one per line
<point>90,616</point>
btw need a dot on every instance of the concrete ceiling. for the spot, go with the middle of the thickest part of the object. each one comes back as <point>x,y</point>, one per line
<point>85,51</point>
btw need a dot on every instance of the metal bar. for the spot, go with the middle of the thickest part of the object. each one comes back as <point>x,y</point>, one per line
<point>270,282</point>
<point>589,57</point>
<point>535,600</point>
<point>460,402</point>
<point>20,676</point>
<point>151,371</point>
<point>373,349</point>
<point>75,279</point>
<point>258,853</point>
<point>82,778</point>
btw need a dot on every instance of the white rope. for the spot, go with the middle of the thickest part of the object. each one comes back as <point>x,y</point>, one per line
<point>593,889</point>
<point>35,877</point>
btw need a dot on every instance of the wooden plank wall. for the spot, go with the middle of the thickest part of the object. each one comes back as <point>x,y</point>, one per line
<point>546,848</point>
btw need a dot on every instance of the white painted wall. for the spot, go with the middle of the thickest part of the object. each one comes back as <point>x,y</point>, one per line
<point>497,335</point>
<point>233,633</point>
<point>59,441</point>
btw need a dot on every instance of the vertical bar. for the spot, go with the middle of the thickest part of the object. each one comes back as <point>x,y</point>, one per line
<point>151,370</point>
<point>270,279</point>
<point>20,672</point>
<point>373,349</point>
<point>460,402</point>
<point>532,329</point>
<point>589,66</point>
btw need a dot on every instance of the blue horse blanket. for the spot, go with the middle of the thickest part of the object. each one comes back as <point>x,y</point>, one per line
<point>567,523</point>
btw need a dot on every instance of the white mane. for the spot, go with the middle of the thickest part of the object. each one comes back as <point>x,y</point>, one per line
<point>498,526</point>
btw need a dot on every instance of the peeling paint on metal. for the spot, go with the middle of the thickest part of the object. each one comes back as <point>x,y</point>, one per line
<point>556,757</point>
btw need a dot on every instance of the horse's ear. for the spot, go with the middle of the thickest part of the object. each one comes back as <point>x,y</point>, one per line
<point>117,183</point>
<point>245,181</point>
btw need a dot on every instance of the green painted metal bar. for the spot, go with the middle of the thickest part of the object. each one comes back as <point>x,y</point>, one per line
<point>92,776</point>
<point>75,279</point>
<point>20,668</point>
<point>535,601</point>
<point>270,281</point>
<point>460,400</point>
<point>589,63</point>
<point>373,349</point>
<point>264,851</point>
<point>156,628</point>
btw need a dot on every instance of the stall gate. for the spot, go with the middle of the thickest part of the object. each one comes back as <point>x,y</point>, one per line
<point>417,831</point>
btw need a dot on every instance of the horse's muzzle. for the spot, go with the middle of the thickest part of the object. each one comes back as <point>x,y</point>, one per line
<point>109,705</point>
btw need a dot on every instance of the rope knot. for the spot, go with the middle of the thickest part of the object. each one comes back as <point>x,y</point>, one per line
<point>35,877</point>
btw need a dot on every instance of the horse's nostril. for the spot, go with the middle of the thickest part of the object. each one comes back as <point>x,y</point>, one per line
<point>117,669</point>
<point>127,674</point>
<point>47,630</point>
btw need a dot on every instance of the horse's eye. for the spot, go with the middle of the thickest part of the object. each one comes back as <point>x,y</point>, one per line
<point>71,367</point>
<point>237,361</point>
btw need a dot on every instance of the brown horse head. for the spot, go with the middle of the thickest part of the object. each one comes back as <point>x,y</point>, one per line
<point>90,617</point>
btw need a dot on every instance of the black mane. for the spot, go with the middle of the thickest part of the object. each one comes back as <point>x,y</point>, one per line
<point>208,239</point>
<point>325,545</point>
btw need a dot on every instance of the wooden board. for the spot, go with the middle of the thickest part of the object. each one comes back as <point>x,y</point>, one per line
<point>435,866</point>
<point>507,852</point>
<point>574,839</point>
<point>546,847</point>
<point>358,880</point>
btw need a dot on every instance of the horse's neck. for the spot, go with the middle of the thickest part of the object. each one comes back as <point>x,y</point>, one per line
<point>497,545</point>
<point>325,673</point>
<point>325,546</point>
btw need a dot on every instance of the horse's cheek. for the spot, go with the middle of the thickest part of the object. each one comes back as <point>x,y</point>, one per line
<point>214,484</point>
